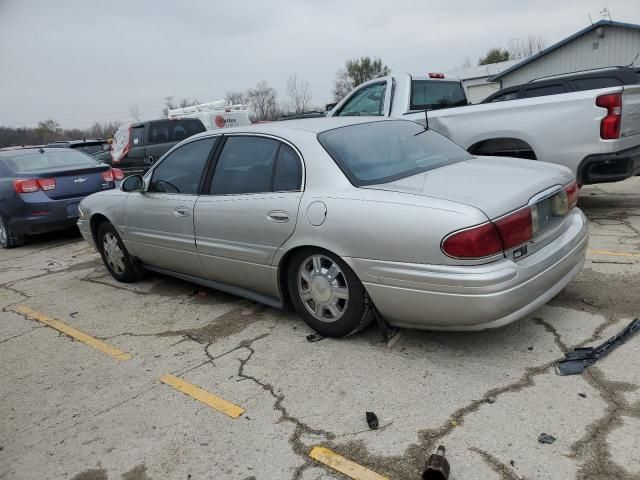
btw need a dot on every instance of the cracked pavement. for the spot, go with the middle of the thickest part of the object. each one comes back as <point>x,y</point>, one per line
<point>70,412</point>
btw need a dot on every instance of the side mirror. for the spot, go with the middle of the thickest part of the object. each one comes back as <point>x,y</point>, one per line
<point>132,183</point>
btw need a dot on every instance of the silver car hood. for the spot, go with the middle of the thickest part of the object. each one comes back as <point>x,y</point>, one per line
<point>495,185</point>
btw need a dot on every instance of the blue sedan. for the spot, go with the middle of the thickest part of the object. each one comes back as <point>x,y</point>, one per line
<point>40,189</point>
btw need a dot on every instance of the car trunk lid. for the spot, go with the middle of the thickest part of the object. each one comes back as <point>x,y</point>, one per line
<point>73,183</point>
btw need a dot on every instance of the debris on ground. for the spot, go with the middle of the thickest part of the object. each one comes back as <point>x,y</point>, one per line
<point>437,467</point>
<point>583,395</point>
<point>546,438</point>
<point>580,358</point>
<point>314,337</point>
<point>372,420</point>
<point>491,399</point>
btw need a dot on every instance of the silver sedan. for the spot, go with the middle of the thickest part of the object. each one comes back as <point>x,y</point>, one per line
<point>346,218</point>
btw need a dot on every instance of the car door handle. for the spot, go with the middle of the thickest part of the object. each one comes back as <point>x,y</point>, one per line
<point>181,212</point>
<point>278,216</point>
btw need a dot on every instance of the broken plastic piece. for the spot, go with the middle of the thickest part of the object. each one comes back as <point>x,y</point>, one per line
<point>314,337</point>
<point>546,438</point>
<point>580,358</point>
<point>437,467</point>
<point>372,420</point>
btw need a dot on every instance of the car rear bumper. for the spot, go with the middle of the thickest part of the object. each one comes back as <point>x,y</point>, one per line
<point>442,297</point>
<point>41,217</point>
<point>610,167</point>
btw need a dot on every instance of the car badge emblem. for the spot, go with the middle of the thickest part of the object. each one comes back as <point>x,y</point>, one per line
<point>80,180</point>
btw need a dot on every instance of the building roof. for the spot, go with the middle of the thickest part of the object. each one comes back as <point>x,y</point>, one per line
<point>555,46</point>
<point>480,71</point>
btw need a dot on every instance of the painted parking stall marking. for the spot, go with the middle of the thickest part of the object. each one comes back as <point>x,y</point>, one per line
<point>209,399</point>
<point>74,333</point>
<point>344,465</point>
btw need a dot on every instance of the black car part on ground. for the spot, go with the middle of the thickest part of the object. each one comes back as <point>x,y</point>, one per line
<point>577,360</point>
<point>437,467</point>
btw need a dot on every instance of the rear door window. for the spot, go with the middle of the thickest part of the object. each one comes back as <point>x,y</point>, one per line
<point>137,137</point>
<point>555,89</point>
<point>246,165</point>
<point>435,94</point>
<point>181,170</point>
<point>159,133</point>
<point>288,173</point>
<point>368,101</point>
<point>594,83</point>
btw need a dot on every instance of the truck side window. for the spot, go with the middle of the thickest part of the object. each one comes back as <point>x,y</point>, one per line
<point>544,91</point>
<point>368,101</point>
<point>137,136</point>
<point>596,82</point>
<point>505,96</point>
<point>159,132</point>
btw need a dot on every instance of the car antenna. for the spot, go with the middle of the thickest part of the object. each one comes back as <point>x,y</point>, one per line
<point>426,119</point>
<point>634,59</point>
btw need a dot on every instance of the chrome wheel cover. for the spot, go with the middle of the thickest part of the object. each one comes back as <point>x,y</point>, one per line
<point>322,288</point>
<point>113,254</point>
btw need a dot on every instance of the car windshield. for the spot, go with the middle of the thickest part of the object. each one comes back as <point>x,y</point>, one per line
<point>381,152</point>
<point>49,159</point>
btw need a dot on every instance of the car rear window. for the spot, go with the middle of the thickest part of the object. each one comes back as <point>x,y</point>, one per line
<point>381,152</point>
<point>49,160</point>
<point>435,94</point>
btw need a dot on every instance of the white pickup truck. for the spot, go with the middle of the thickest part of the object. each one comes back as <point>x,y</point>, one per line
<point>596,133</point>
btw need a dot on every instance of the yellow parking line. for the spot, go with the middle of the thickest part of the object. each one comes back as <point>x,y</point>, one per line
<point>213,401</point>
<point>343,465</point>
<point>74,333</point>
<point>613,254</point>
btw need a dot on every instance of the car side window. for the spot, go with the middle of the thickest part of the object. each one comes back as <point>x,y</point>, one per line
<point>368,101</point>
<point>137,136</point>
<point>544,91</point>
<point>288,173</point>
<point>181,170</point>
<point>245,165</point>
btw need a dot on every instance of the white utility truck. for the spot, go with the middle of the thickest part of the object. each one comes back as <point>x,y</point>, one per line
<point>214,115</point>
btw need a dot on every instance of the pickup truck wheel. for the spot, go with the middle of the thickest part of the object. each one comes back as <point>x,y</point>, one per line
<point>327,294</point>
<point>9,239</point>
<point>115,256</point>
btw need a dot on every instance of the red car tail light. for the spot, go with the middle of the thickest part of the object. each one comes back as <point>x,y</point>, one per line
<point>572,192</point>
<point>117,174</point>
<point>516,228</point>
<point>25,185</point>
<point>47,184</point>
<point>107,176</point>
<point>610,125</point>
<point>476,242</point>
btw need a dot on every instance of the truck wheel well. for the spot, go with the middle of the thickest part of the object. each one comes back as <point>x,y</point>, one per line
<point>503,147</point>
<point>97,220</point>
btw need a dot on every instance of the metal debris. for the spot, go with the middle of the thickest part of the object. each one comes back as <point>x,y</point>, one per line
<point>580,358</point>
<point>546,438</point>
<point>314,337</point>
<point>437,467</point>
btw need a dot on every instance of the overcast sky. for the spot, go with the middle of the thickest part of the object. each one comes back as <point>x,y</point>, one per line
<point>80,61</point>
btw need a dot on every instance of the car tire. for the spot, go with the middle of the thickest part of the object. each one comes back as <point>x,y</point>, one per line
<point>327,294</point>
<point>115,256</point>
<point>8,238</point>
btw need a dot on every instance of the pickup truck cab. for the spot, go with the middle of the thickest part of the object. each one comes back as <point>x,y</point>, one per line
<point>595,133</point>
<point>137,146</point>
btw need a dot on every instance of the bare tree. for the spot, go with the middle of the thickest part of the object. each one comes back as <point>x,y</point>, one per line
<point>299,94</point>
<point>48,130</point>
<point>236,98</point>
<point>262,100</point>
<point>134,112</point>
<point>355,72</point>
<point>524,48</point>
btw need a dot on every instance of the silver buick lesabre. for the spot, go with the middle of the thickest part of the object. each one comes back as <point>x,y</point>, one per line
<point>344,218</point>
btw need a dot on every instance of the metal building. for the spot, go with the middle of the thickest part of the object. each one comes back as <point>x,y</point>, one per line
<point>476,79</point>
<point>604,44</point>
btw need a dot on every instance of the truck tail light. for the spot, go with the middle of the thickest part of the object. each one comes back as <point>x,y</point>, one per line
<point>107,176</point>
<point>117,174</point>
<point>610,125</point>
<point>476,242</point>
<point>30,185</point>
<point>516,228</point>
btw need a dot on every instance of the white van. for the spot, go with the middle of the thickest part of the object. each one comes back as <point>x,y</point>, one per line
<point>214,115</point>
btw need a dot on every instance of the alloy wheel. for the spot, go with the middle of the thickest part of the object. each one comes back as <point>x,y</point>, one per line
<point>113,253</point>
<point>322,287</point>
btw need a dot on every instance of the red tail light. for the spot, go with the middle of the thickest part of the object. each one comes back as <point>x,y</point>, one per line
<point>31,185</point>
<point>476,242</point>
<point>117,174</point>
<point>516,228</point>
<point>107,176</point>
<point>610,125</point>
<point>572,192</point>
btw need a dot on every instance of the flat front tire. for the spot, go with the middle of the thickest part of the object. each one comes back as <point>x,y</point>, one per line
<point>115,256</point>
<point>327,294</point>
